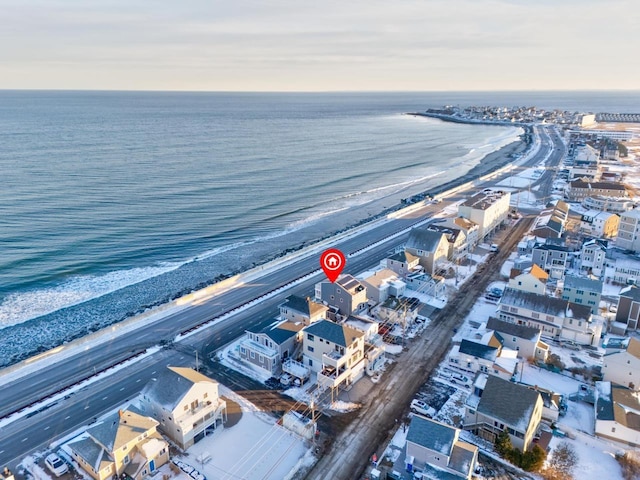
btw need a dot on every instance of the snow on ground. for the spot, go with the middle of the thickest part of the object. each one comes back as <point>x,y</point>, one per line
<point>580,416</point>
<point>533,375</point>
<point>255,448</point>
<point>595,458</point>
<point>505,270</point>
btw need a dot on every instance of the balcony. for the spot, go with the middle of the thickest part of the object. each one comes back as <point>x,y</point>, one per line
<point>333,359</point>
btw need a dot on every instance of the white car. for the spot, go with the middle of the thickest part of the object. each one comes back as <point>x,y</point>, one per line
<point>56,465</point>
<point>418,406</point>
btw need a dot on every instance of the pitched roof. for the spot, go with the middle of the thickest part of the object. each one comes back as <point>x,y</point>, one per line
<point>631,292</point>
<point>583,283</point>
<point>508,328</point>
<point>338,334</point>
<point>283,331</point>
<point>511,403</point>
<point>380,277</point>
<point>539,273</point>
<point>543,304</point>
<point>91,452</point>
<point>306,306</point>
<point>433,435</point>
<point>172,384</point>
<point>478,350</point>
<point>120,428</point>
<point>484,200</point>
<point>423,239</point>
<point>626,407</point>
<point>403,256</point>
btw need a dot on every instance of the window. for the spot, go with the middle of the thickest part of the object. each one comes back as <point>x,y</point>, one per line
<point>310,348</point>
<point>125,460</point>
<point>310,337</point>
<point>253,354</point>
<point>205,395</point>
<point>261,359</point>
<point>243,350</point>
<point>310,362</point>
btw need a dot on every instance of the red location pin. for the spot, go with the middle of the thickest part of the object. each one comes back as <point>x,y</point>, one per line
<point>332,262</point>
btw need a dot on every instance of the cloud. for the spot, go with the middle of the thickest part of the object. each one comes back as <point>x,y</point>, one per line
<point>285,45</point>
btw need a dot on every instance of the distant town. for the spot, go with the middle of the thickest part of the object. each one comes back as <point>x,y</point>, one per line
<point>487,331</point>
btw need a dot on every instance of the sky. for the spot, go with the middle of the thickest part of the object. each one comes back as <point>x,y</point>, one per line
<point>303,45</point>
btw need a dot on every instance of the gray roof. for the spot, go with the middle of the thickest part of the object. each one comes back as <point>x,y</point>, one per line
<point>170,387</point>
<point>551,246</point>
<point>338,334</point>
<point>583,283</point>
<point>599,185</point>
<point>431,434</point>
<point>423,239</point>
<point>508,402</point>
<point>275,333</point>
<point>451,233</point>
<point>90,451</point>
<point>543,304</point>
<point>631,292</point>
<point>462,459</point>
<point>604,402</point>
<point>306,306</point>
<point>508,328</point>
<point>478,350</point>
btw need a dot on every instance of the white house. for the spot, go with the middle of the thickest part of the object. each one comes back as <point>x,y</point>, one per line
<point>623,368</point>
<point>185,403</point>
<point>629,230</point>
<point>381,284</point>
<point>525,340</point>
<point>534,280</point>
<point>335,352</point>
<point>488,209</point>
<point>592,257</point>
<point>617,414</point>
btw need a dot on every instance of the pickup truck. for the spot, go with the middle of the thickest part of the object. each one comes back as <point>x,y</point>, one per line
<point>418,406</point>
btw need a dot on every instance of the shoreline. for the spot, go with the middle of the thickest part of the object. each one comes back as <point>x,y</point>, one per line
<point>241,258</point>
<point>445,117</point>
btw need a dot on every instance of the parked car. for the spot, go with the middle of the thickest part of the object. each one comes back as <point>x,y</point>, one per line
<point>418,406</point>
<point>286,379</point>
<point>494,248</point>
<point>56,465</point>
<point>460,379</point>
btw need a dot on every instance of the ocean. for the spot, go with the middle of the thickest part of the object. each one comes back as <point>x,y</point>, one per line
<point>114,202</point>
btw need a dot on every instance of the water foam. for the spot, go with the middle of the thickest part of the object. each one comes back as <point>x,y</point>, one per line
<point>23,306</point>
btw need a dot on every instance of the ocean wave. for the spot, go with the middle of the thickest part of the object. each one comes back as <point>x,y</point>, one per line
<point>23,306</point>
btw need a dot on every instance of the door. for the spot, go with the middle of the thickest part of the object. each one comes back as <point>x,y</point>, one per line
<point>152,465</point>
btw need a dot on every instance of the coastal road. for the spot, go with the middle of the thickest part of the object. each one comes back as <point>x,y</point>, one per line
<point>38,429</point>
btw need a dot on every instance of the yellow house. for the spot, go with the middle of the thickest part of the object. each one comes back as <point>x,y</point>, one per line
<point>123,443</point>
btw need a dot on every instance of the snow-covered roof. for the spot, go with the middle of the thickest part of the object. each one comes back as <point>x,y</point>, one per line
<point>543,304</point>
<point>583,283</point>
<point>507,328</point>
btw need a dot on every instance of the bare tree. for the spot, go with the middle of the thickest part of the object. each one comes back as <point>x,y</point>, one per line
<point>561,463</point>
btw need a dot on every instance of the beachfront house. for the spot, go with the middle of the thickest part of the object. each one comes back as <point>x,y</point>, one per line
<point>617,414</point>
<point>302,309</point>
<point>436,450</point>
<point>124,443</point>
<point>347,294</point>
<point>430,247</point>
<point>623,367</point>
<point>607,204</point>
<point>470,229</point>
<point>456,239</point>
<point>488,209</point>
<point>551,222</point>
<point>555,317</point>
<point>497,405</point>
<point>270,347</point>
<point>186,404</point>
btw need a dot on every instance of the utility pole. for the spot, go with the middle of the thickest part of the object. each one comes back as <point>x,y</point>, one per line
<point>197,364</point>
